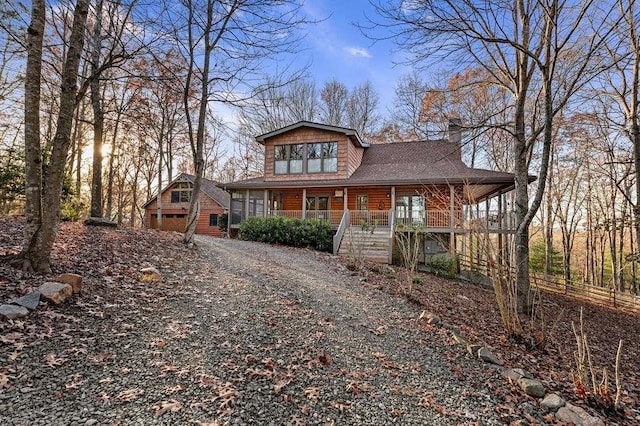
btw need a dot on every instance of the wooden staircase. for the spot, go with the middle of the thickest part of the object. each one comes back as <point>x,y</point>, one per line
<point>373,246</point>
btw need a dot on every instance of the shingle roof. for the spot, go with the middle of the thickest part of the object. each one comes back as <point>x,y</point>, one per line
<point>422,162</point>
<point>209,187</point>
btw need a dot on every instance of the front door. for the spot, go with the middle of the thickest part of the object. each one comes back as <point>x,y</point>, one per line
<point>317,206</point>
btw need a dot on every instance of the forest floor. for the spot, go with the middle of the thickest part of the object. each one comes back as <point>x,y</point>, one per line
<point>243,333</point>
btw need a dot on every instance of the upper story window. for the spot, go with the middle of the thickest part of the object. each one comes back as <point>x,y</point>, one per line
<point>181,192</point>
<point>306,158</point>
<point>288,159</point>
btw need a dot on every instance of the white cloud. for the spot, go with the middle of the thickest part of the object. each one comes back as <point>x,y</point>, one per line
<point>359,52</point>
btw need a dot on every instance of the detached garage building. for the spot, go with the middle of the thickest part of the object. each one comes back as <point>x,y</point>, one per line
<point>175,206</point>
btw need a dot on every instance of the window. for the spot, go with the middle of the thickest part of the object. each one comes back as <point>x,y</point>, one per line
<point>237,207</point>
<point>256,203</point>
<point>288,159</point>
<point>321,157</point>
<point>181,192</point>
<point>362,202</point>
<point>330,157</point>
<point>213,220</point>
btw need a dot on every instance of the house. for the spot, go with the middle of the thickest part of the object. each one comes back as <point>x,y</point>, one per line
<point>175,206</point>
<point>314,170</point>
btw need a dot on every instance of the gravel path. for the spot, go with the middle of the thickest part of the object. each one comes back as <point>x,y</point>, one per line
<point>243,333</point>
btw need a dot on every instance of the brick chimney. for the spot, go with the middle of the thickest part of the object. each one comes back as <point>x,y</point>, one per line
<point>455,134</point>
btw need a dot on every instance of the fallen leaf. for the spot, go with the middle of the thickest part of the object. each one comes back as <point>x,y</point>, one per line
<point>164,407</point>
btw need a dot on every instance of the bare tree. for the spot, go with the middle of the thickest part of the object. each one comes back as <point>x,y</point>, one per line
<point>226,44</point>
<point>540,51</point>
<point>42,223</point>
<point>362,110</point>
<point>334,96</point>
<point>407,106</point>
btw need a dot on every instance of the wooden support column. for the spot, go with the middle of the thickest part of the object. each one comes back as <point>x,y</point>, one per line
<point>452,218</point>
<point>345,194</point>
<point>265,202</point>
<point>304,203</point>
<point>246,204</point>
<point>500,229</point>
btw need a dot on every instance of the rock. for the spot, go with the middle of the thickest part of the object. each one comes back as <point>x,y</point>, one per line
<point>573,414</point>
<point>100,221</point>
<point>29,301</point>
<point>531,387</point>
<point>55,292</point>
<point>515,374</point>
<point>150,275</point>
<point>91,422</point>
<point>552,401</point>
<point>74,280</point>
<point>487,356</point>
<point>12,311</point>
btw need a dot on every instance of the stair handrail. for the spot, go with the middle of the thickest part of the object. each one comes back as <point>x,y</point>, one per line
<point>392,225</point>
<point>342,227</point>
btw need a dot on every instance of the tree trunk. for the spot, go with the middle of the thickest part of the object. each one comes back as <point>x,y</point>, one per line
<point>98,117</point>
<point>37,255</point>
<point>33,150</point>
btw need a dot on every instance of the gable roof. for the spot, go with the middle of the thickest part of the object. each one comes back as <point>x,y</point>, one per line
<point>351,133</point>
<point>208,187</point>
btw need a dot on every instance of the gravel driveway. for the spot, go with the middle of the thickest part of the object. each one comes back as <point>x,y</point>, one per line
<point>245,333</point>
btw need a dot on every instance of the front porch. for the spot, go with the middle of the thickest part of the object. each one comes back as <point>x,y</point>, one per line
<point>444,210</point>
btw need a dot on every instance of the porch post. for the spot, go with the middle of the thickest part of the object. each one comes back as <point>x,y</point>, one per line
<point>345,206</point>
<point>304,203</point>
<point>246,204</point>
<point>452,217</point>
<point>500,228</point>
<point>393,198</point>
<point>265,202</point>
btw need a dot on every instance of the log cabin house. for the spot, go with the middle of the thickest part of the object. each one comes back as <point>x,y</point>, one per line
<point>326,172</point>
<point>175,205</point>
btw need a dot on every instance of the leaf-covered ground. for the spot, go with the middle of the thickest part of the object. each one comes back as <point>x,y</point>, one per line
<point>474,309</point>
<point>244,333</point>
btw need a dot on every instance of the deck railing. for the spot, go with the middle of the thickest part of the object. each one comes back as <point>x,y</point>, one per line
<point>434,219</point>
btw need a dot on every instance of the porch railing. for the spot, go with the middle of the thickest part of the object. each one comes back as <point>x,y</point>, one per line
<point>431,218</point>
<point>435,219</point>
<point>495,220</point>
<point>378,218</point>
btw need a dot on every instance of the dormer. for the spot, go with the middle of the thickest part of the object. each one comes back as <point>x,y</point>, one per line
<point>311,151</point>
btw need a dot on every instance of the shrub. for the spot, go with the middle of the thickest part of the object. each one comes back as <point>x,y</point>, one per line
<point>311,233</point>
<point>443,266</point>
<point>223,221</point>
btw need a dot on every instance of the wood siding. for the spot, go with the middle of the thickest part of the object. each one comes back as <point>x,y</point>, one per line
<point>346,163</point>
<point>354,158</point>
<point>208,206</point>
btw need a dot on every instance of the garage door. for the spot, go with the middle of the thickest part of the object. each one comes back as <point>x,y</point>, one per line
<point>170,222</point>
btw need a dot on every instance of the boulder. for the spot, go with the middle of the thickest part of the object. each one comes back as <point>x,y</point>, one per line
<point>487,356</point>
<point>515,374</point>
<point>150,275</point>
<point>531,387</point>
<point>74,280</point>
<point>13,311</point>
<point>573,414</point>
<point>29,301</point>
<point>552,401</point>
<point>55,292</point>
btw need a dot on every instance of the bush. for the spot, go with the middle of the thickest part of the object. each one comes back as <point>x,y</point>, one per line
<point>311,233</point>
<point>443,266</point>
<point>73,209</point>
<point>223,221</point>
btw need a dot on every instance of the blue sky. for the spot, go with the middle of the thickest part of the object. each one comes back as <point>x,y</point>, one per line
<point>337,48</point>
